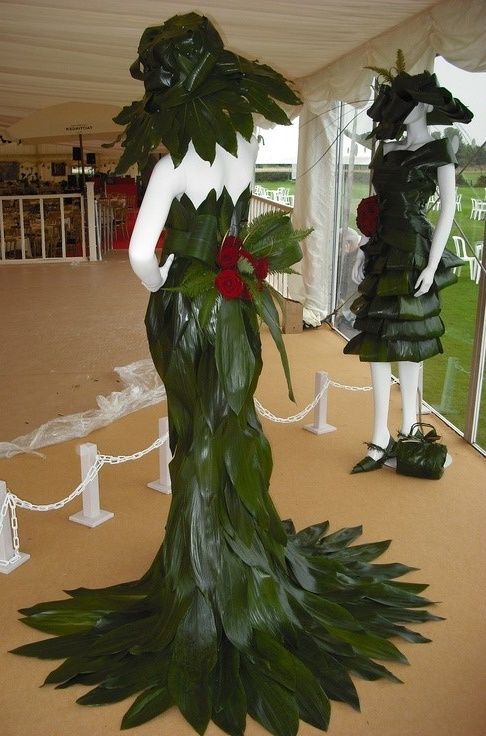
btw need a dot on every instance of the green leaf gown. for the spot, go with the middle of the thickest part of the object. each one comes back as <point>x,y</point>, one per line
<point>393,323</point>
<point>238,613</point>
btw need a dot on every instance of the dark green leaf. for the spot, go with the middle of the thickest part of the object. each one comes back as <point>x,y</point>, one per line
<point>362,552</point>
<point>311,534</point>
<point>193,658</point>
<point>313,703</point>
<point>270,703</point>
<point>123,637</point>
<point>101,695</point>
<point>200,72</point>
<point>243,122</point>
<point>269,315</point>
<point>369,645</point>
<point>79,665</point>
<point>57,647</point>
<point>245,472</point>
<point>229,699</point>
<point>332,675</point>
<point>369,670</point>
<point>223,129</point>
<point>276,661</point>
<point>342,537</point>
<point>234,357</point>
<point>148,705</point>
<point>63,622</point>
<point>201,132</point>
<point>207,311</point>
<point>233,600</point>
<point>263,104</point>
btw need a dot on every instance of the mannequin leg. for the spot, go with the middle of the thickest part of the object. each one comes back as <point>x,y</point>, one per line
<point>409,379</point>
<point>381,381</point>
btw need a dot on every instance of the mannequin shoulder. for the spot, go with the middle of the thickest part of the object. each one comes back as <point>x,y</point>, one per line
<point>166,175</point>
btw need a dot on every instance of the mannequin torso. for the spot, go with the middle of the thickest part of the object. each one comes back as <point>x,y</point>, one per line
<point>195,178</point>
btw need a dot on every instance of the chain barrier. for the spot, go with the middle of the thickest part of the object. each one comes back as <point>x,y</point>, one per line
<point>312,405</point>
<point>12,501</point>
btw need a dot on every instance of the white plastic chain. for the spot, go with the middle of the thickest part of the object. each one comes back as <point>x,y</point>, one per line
<point>298,417</point>
<point>11,500</point>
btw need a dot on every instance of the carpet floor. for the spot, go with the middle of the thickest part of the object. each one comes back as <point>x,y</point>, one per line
<point>65,328</point>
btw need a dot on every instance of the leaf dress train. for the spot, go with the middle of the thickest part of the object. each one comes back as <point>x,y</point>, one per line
<point>238,613</point>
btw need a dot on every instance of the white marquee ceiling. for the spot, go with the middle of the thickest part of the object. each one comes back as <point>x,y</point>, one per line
<point>52,51</point>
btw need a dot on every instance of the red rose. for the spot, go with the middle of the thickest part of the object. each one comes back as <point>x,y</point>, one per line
<point>229,253</point>
<point>260,267</point>
<point>368,215</point>
<point>229,284</point>
<point>233,240</point>
<point>228,256</point>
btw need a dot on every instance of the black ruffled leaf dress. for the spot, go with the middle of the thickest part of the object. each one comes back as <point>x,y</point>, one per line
<point>393,323</point>
<point>238,613</point>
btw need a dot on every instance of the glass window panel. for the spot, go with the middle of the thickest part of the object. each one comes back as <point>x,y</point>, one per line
<point>447,377</point>
<point>354,185</point>
<point>481,432</point>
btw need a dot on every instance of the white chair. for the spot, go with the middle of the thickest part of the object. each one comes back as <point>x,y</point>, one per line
<point>433,202</point>
<point>481,210</point>
<point>478,249</point>
<point>478,209</point>
<point>458,202</point>
<point>460,246</point>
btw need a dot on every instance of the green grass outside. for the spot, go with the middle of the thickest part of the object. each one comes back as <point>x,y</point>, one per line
<point>290,184</point>
<point>459,315</point>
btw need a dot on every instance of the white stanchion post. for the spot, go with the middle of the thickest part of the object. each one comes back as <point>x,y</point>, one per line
<point>91,515</point>
<point>7,549</point>
<point>163,484</point>
<point>90,213</point>
<point>320,424</point>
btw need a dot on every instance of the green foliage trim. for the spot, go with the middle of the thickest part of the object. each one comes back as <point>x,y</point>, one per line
<point>196,90</point>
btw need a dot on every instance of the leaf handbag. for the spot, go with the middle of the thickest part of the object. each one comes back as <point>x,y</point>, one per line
<point>420,454</point>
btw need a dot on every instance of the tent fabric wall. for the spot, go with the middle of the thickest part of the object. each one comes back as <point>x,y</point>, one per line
<point>314,207</point>
<point>453,29</point>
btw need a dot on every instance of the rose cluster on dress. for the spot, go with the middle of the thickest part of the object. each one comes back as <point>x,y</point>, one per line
<point>228,280</point>
<point>367,215</point>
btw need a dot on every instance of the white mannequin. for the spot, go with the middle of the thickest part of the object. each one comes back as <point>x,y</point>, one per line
<point>195,178</point>
<point>417,136</point>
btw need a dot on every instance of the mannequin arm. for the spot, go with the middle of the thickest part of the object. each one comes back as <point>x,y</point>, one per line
<point>165,184</point>
<point>447,192</point>
<point>357,274</point>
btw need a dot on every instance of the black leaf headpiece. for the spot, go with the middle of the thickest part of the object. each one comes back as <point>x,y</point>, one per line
<point>397,98</point>
<point>196,90</point>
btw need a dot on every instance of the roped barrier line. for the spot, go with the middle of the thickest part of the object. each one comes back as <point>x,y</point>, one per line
<point>312,405</point>
<point>12,501</point>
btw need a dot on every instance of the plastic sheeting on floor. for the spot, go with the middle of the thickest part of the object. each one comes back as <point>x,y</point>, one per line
<point>142,388</point>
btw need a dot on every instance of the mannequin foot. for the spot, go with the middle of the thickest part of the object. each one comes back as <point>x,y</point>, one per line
<point>369,463</point>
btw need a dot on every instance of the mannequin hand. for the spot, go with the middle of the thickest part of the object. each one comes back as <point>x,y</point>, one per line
<point>424,281</point>
<point>357,274</point>
<point>163,273</point>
